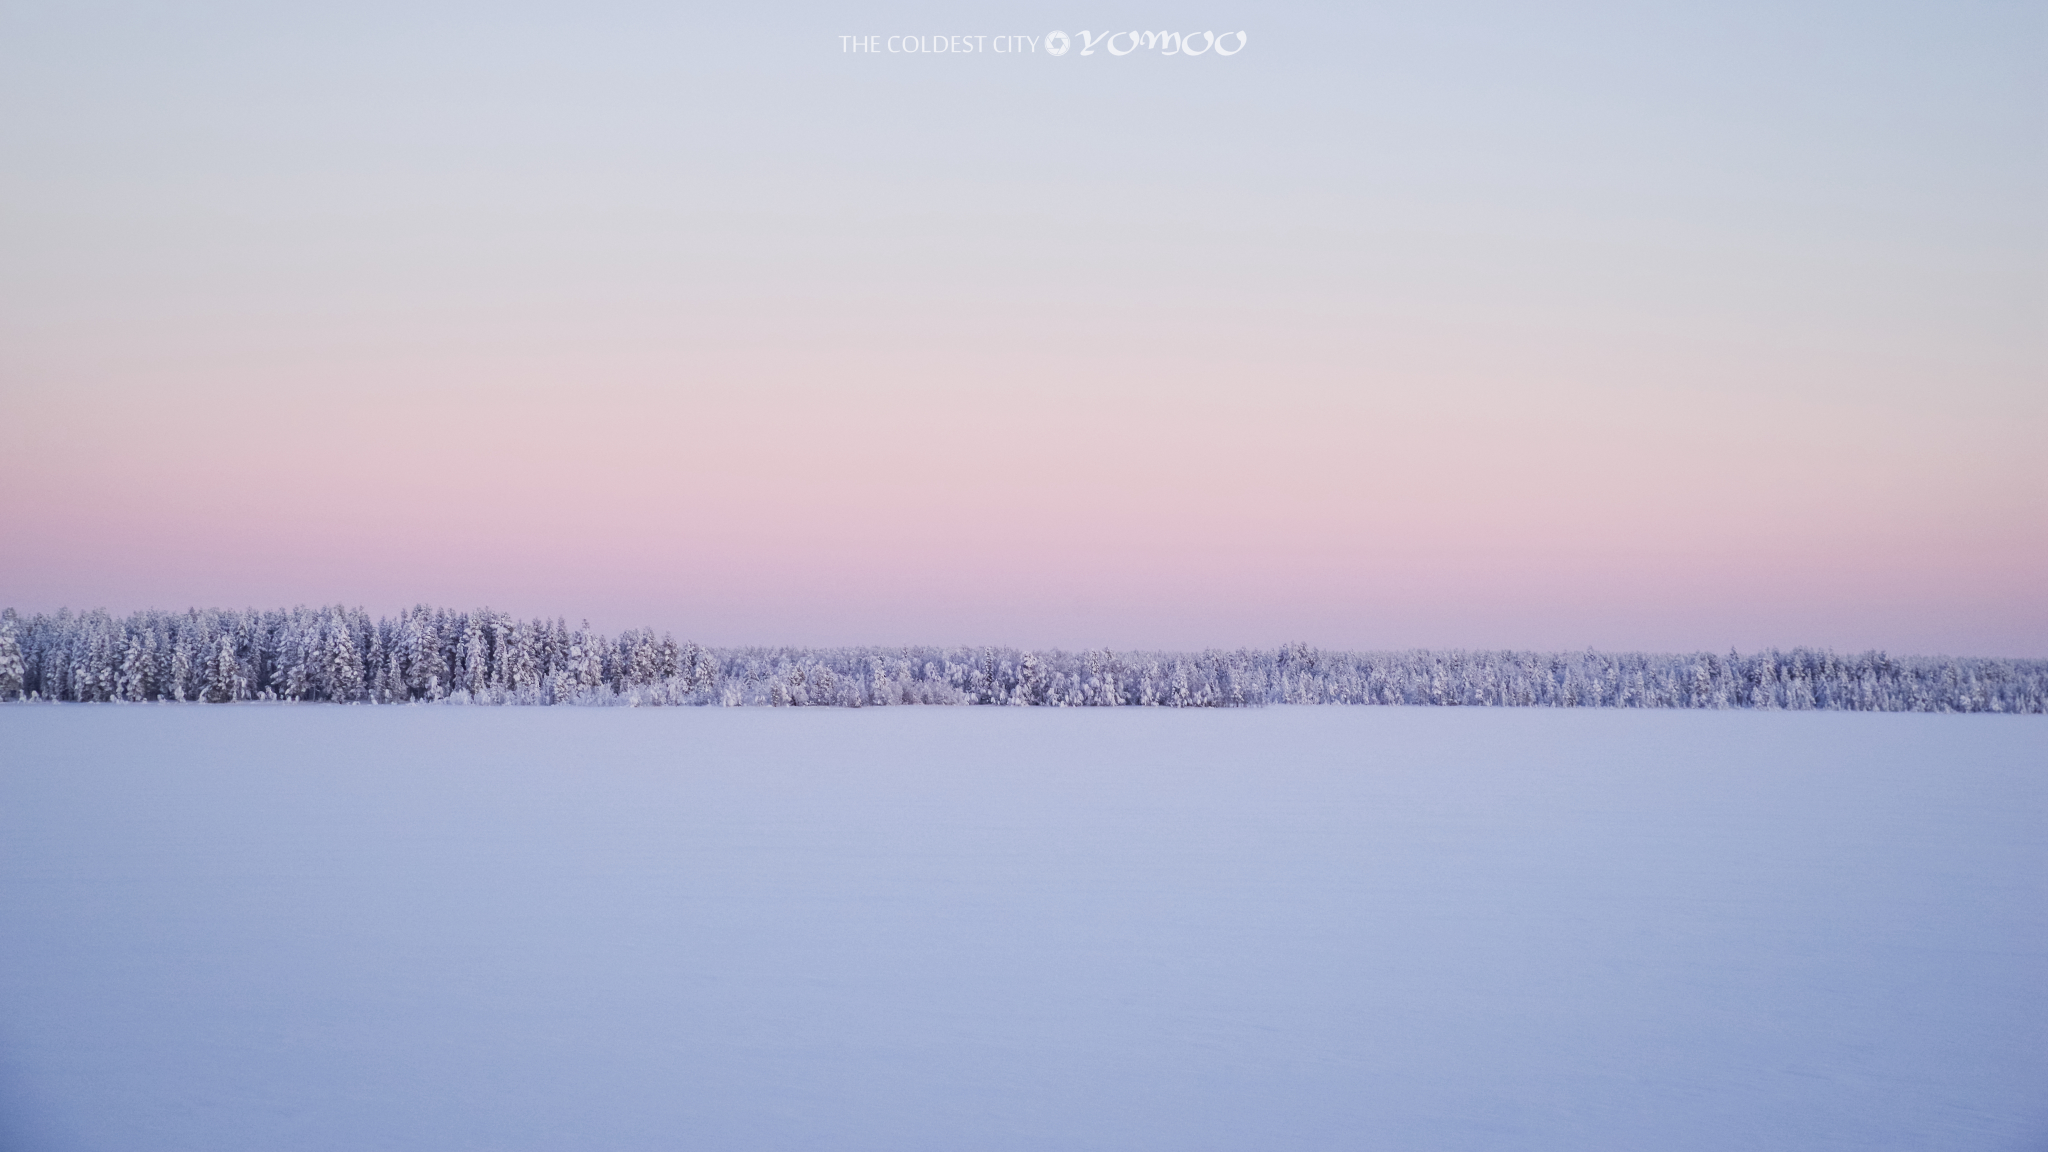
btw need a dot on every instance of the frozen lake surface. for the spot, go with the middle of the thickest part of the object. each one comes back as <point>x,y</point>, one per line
<point>271,927</point>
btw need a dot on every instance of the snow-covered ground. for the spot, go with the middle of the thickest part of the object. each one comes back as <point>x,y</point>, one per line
<point>317,927</point>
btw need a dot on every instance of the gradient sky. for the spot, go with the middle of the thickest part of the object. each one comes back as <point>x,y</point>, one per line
<point>1630,325</point>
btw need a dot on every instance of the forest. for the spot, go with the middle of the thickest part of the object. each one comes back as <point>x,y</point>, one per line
<point>428,654</point>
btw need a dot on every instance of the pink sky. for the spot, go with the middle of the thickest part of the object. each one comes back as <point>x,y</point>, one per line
<point>1440,351</point>
<point>1105,506</point>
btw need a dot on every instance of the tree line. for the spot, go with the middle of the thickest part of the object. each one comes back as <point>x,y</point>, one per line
<point>431,654</point>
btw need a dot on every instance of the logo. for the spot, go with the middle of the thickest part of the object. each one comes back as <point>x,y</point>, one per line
<point>1054,43</point>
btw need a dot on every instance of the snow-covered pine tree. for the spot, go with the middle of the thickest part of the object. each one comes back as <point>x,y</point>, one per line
<point>297,673</point>
<point>584,666</point>
<point>222,684</point>
<point>138,665</point>
<point>321,654</point>
<point>392,679</point>
<point>181,685</point>
<point>699,669</point>
<point>373,668</point>
<point>516,669</point>
<point>13,669</point>
<point>473,654</point>
<point>641,657</point>
<point>343,663</point>
<point>420,649</point>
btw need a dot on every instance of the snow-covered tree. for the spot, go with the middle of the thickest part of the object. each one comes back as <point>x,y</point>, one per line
<point>426,653</point>
<point>343,663</point>
<point>13,669</point>
<point>224,681</point>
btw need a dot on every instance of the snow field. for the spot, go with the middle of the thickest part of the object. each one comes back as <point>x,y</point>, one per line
<point>323,927</point>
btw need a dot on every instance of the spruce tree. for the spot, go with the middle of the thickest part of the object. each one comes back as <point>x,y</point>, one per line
<point>13,670</point>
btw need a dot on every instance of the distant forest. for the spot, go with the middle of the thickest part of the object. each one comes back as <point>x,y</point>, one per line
<point>484,657</point>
